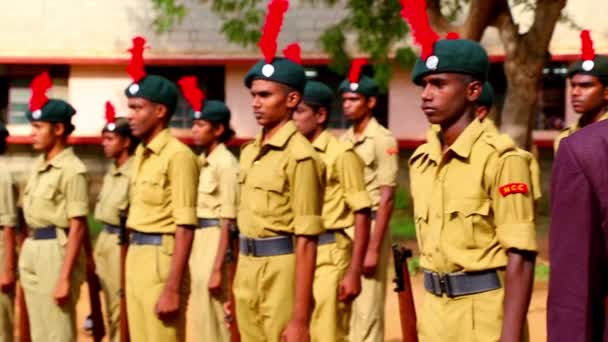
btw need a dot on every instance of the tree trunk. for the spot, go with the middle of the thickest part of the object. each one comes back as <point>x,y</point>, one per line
<point>519,111</point>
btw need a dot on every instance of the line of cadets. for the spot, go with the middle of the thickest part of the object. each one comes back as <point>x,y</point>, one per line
<point>312,210</point>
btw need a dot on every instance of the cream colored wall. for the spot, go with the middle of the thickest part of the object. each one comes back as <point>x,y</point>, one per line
<point>238,100</point>
<point>89,89</point>
<point>405,118</point>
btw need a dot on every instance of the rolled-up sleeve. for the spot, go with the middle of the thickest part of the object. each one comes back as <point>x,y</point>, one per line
<point>350,172</point>
<point>183,173</point>
<point>307,190</point>
<point>514,210</point>
<point>77,196</point>
<point>387,152</point>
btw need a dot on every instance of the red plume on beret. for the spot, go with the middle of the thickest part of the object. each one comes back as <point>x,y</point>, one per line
<point>193,94</point>
<point>452,36</point>
<point>414,12</point>
<point>136,64</point>
<point>355,69</point>
<point>110,113</point>
<point>587,51</point>
<point>272,27</point>
<point>39,87</point>
<point>293,53</point>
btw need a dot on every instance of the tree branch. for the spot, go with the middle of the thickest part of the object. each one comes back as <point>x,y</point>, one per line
<point>480,15</point>
<point>438,21</point>
<point>545,16</point>
<point>507,29</point>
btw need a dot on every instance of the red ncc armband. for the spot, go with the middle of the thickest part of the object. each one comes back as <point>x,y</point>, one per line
<point>513,188</point>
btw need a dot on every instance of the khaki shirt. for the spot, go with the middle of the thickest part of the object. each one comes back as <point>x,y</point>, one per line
<point>345,189</point>
<point>56,191</point>
<point>380,154</point>
<point>217,184</point>
<point>114,195</point>
<point>163,188</point>
<point>281,186</point>
<point>566,132</point>
<point>8,197</point>
<point>471,203</point>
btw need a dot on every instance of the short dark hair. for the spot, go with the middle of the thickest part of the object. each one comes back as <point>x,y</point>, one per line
<point>3,136</point>
<point>228,132</point>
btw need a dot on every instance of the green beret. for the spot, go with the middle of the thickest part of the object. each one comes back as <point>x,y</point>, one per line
<point>54,110</point>
<point>156,89</point>
<point>597,67</point>
<point>213,110</point>
<point>487,95</point>
<point>318,94</point>
<point>281,70</point>
<point>366,86</point>
<point>460,56</point>
<point>120,126</point>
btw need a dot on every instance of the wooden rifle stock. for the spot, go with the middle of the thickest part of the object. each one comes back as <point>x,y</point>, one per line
<point>99,329</point>
<point>123,241</point>
<point>403,287</point>
<point>231,258</point>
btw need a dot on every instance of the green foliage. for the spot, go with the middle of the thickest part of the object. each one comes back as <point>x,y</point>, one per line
<point>541,272</point>
<point>376,26</point>
<point>95,227</point>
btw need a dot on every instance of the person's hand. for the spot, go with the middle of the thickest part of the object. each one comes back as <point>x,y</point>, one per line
<point>350,287</point>
<point>370,263</point>
<point>215,283</point>
<point>62,292</point>
<point>167,306</point>
<point>7,281</point>
<point>296,331</point>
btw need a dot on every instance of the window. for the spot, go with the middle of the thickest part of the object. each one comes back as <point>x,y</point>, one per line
<point>15,82</point>
<point>211,80</point>
<point>336,119</point>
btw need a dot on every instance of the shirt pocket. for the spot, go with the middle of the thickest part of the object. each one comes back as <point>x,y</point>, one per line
<point>269,196</point>
<point>369,174</point>
<point>468,219</point>
<point>152,189</point>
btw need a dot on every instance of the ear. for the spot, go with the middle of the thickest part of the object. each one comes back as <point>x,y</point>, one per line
<point>322,116</point>
<point>371,102</point>
<point>126,143</point>
<point>293,99</point>
<point>161,112</point>
<point>473,91</point>
<point>606,93</point>
<point>58,129</point>
<point>219,130</point>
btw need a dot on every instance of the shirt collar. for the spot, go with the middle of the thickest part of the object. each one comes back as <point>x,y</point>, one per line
<point>57,161</point>
<point>159,141</point>
<point>368,132</point>
<point>280,138</point>
<point>321,141</point>
<point>464,143</point>
<point>121,170</point>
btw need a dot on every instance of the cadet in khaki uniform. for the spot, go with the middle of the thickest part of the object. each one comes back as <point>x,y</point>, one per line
<point>55,206</point>
<point>162,215</point>
<point>8,220</point>
<point>281,183</point>
<point>473,207</point>
<point>378,149</point>
<point>216,211</point>
<point>118,145</point>
<point>588,88</point>
<point>346,203</point>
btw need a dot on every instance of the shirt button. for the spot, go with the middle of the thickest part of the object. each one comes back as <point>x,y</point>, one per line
<point>437,249</point>
<point>437,215</point>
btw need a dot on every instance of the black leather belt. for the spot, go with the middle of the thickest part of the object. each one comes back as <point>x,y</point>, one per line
<point>461,284</point>
<point>153,239</point>
<point>112,229</point>
<point>328,237</point>
<point>278,245</point>
<point>44,233</point>
<point>207,222</point>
